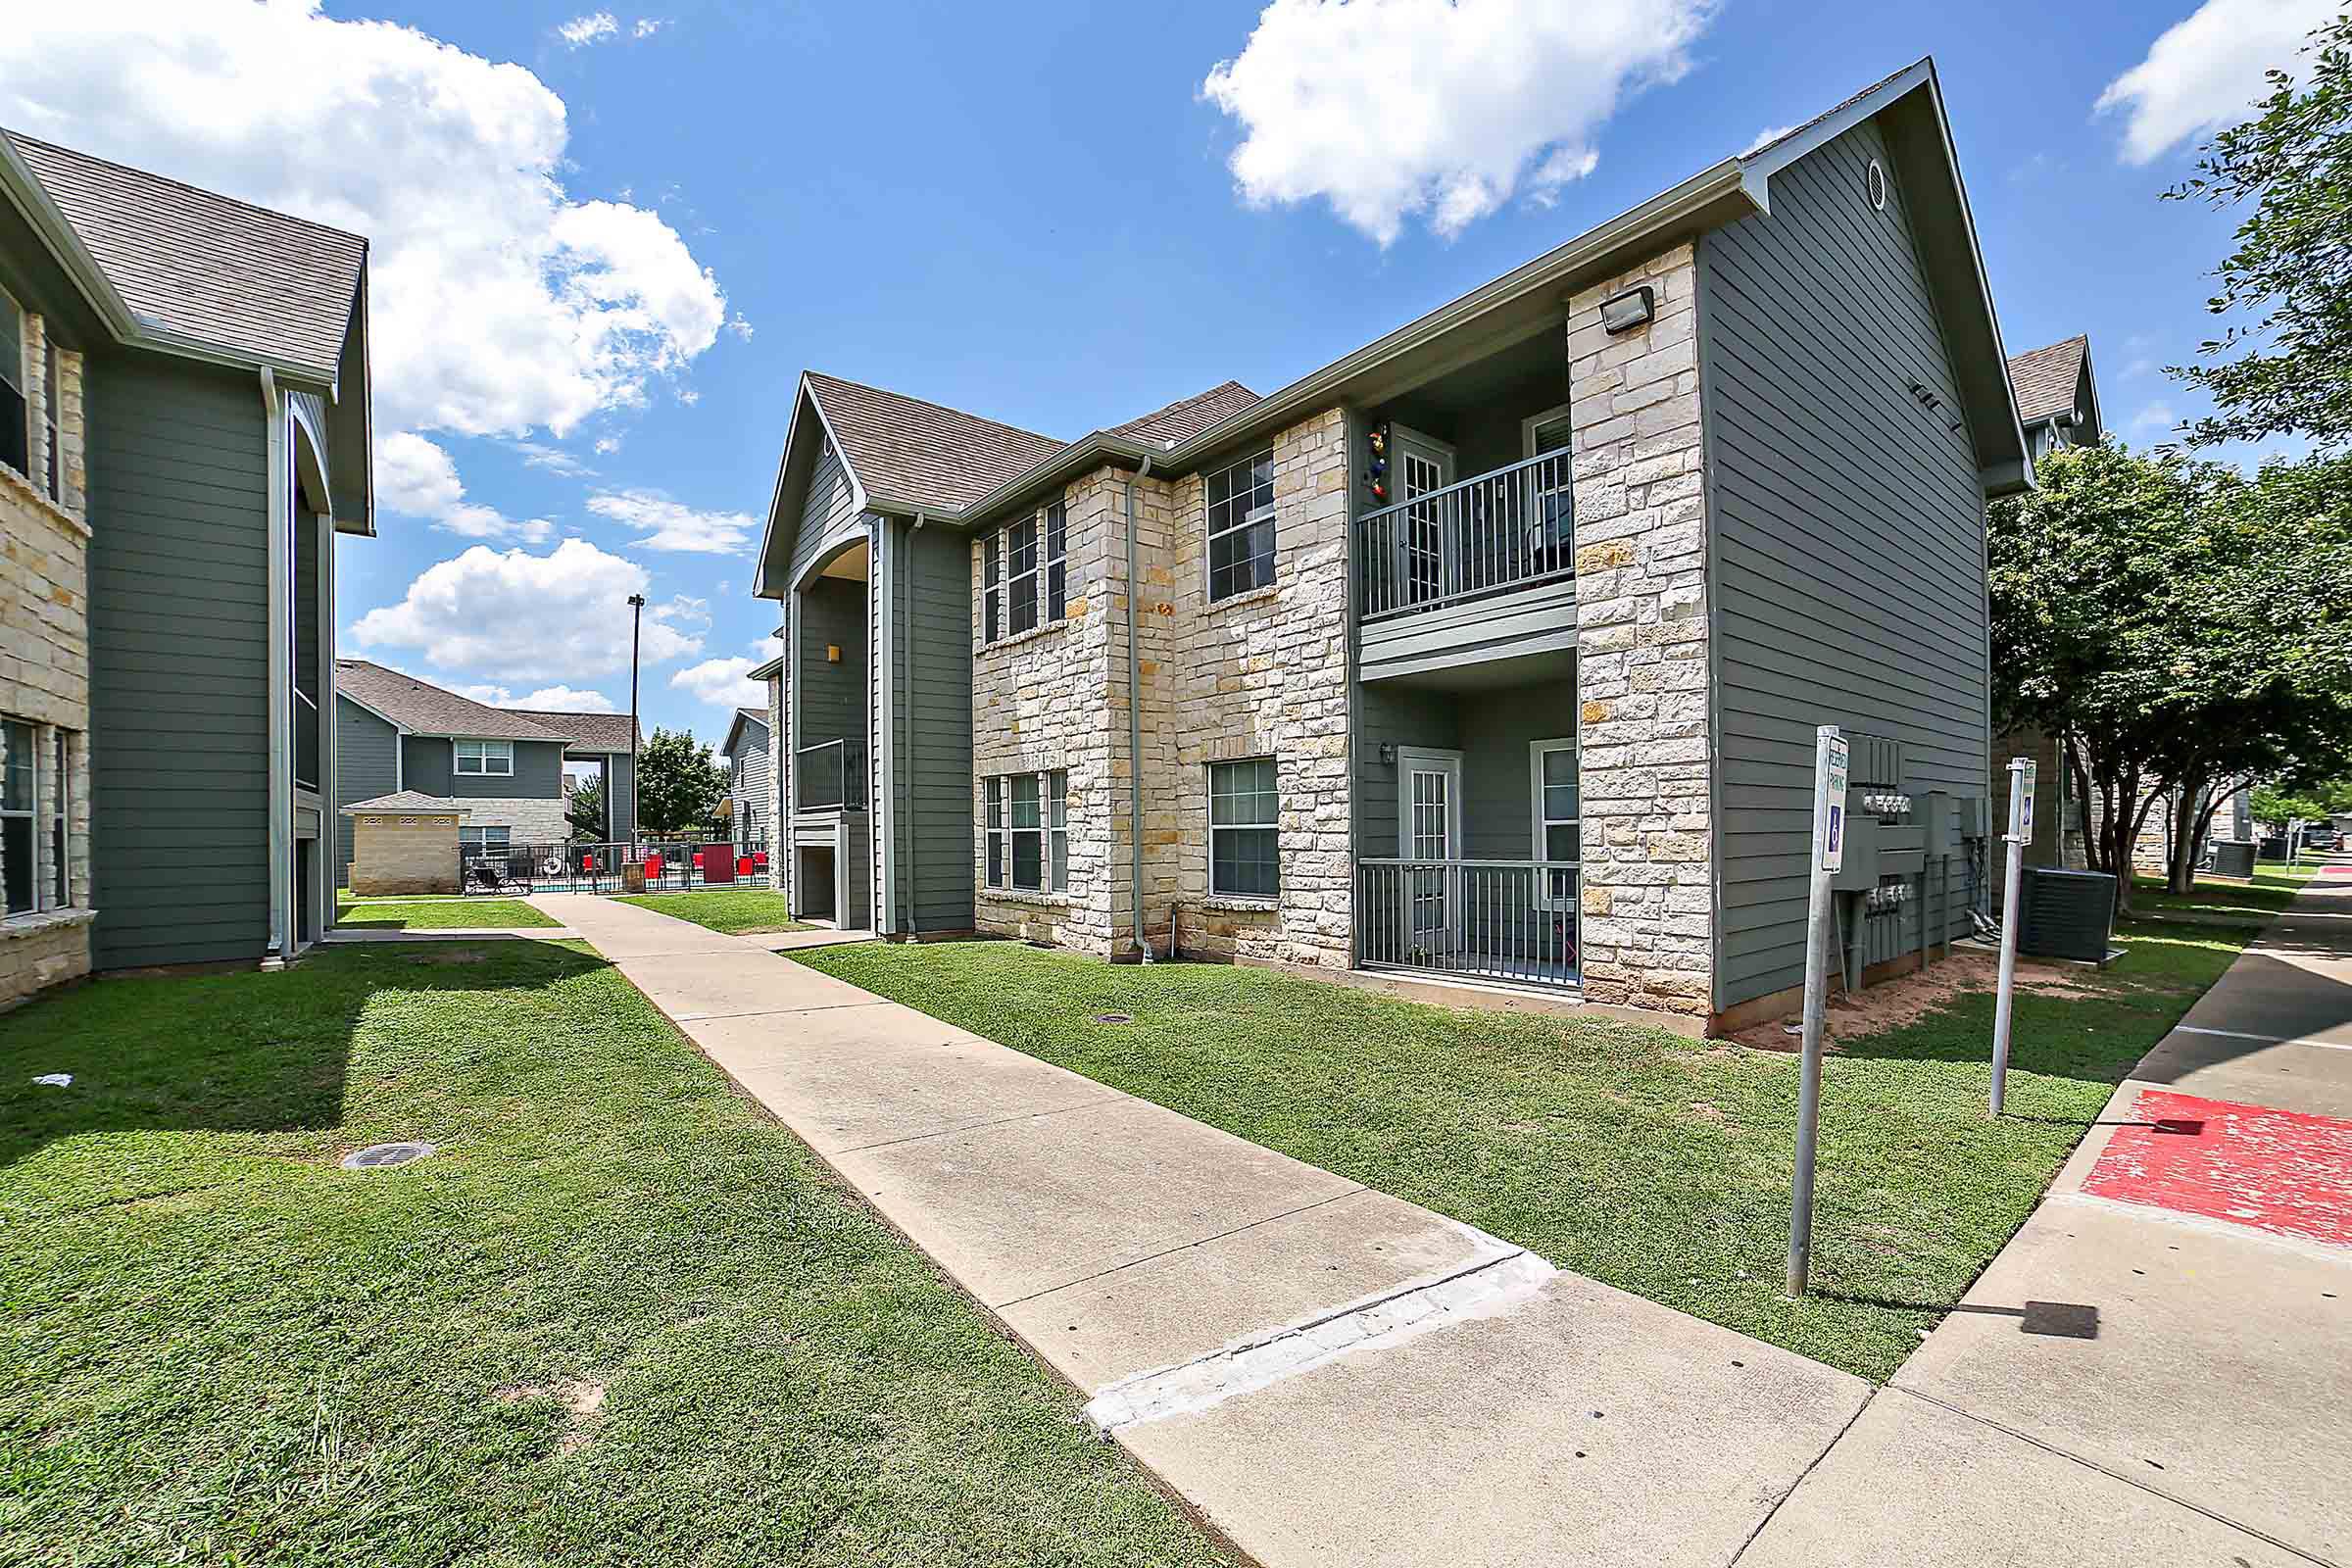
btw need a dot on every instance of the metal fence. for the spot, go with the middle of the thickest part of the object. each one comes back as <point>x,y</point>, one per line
<point>831,773</point>
<point>669,866</point>
<point>1495,530</point>
<point>1513,921</point>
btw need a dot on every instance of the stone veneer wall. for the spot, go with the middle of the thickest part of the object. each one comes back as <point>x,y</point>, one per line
<point>45,665</point>
<point>1649,932</point>
<point>396,857</point>
<point>528,820</point>
<point>1264,674</point>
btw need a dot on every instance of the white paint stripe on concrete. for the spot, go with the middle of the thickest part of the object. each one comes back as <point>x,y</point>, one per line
<point>1486,1290</point>
<point>2273,1040</point>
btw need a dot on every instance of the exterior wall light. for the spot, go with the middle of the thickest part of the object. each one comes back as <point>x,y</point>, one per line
<point>1629,309</point>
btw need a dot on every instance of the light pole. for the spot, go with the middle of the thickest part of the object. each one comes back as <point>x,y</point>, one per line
<point>636,625</point>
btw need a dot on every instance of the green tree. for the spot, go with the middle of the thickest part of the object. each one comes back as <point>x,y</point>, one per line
<point>585,811</point>
<point>678,783</point>
<point>2185,629</point>
<point>2283,366</point>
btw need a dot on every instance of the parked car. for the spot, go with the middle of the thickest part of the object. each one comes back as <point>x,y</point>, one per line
<point>2321,838</point>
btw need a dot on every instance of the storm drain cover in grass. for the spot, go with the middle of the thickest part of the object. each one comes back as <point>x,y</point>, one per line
<point>1114,1017</point>
<point>375,1155</point>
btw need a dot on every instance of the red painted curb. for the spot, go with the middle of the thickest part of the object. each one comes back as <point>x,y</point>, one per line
<point>2280,1171</point>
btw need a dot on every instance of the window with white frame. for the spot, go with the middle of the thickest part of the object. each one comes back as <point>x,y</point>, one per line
<point>992,602</point>
<point>36,807</point>
<point>1057,564</point>
<point>15,406</point>
<point>1028,824</point>
<point>1245,809</point>
<point>486,759</point>
<point>994,814</point>
<point>1241,525</point>
<point>489,840</point>
<point>1557,811</point>
<point>1020,576</point>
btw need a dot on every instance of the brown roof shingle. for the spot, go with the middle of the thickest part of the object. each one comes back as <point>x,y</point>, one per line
<point>428,709</point>
<point>204,266</point>
<point>589,732</point>
<point>1187,417</point>
<point>917,452</point>
<point>2045,379</point>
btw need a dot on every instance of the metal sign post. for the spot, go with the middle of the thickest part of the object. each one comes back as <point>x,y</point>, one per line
<point>1828,855</point>
<point>2019,835</point>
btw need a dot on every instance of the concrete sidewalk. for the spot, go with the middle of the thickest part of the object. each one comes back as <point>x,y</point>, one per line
<point>2190,1398</point>
<point>1328,1375</point>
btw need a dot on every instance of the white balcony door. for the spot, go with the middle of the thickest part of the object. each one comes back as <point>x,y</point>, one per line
<point>1429,807</point>
<point>1424,465</point>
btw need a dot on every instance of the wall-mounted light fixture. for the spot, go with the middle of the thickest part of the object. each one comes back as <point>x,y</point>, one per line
<point>1631,309</point>
<point>1387,754</point>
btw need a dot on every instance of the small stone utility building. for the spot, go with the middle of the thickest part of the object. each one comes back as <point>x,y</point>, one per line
<point>1491,653</point>
<point>404,843</point>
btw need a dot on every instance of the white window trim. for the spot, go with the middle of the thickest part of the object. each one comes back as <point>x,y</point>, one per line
<point>1210,535</point>
<point>1536,421</point>
<point>1210,806</point>
<point>997,870</point>
<point>999,833</point>
<point>1047,561</point>
<point>1546,897</point>
<point>1412,758</point>
<point>481,837</point>
<point>992,588</point>
<point>47,816</point>
<point>1035,576</point>
<point>501,752</point>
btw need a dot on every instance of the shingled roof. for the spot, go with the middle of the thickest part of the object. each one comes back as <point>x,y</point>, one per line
<point>427,710</point>
<point>1187,417</point>
<point>2048,377</point>
<point>918,452</point>
<point>589,732</point>
<point>203,266</point>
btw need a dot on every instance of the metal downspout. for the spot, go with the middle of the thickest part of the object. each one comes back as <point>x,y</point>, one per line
<point>1134,726</point>
<point>913,919</point>
<point>280,929</point>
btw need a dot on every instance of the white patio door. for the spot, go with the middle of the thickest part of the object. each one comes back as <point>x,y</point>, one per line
<point>1423,467</point>
<point>1429,807</point>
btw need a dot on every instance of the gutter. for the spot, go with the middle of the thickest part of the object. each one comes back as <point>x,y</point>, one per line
<point>913,927</point>
<point>281,738</point>
<point>1135,734</point>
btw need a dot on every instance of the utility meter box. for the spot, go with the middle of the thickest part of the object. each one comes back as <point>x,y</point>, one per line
<point>1950,821</point>
<point>1860,872</point>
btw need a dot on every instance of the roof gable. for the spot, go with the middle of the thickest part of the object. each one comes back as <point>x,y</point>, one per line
<point>422,709</point>
<point>196,268</point>
<point>917,453</point>
<point>2049,380</point>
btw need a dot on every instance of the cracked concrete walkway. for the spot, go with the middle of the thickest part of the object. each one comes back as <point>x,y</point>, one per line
<point>1327,1374</point>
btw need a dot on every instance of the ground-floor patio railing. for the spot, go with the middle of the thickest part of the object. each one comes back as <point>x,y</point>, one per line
<point>1509,920</point>
<point>669,866</point>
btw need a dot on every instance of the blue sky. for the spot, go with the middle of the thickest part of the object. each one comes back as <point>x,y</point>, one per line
<point>1043,223</point>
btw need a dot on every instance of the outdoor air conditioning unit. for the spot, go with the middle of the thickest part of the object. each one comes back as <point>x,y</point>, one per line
<point>2233,857</point>
<point>2065,914</point>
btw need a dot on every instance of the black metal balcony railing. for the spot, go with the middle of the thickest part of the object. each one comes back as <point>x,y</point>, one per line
<point>1493,531</point>
<point>829,775</point>
<point>1512,920</point>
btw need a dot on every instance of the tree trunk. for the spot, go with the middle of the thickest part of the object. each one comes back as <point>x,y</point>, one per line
<point>2181,870</point>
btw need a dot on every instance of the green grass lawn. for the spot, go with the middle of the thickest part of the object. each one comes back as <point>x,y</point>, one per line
<point>734,911</point>
<point>1653,1163</point>
<point>2273,889</point>
<point>437,914</point>
<point>220,1348</point>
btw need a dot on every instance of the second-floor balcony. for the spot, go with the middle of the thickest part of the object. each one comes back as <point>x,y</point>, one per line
<point>1484,535</point>
<point>829,776</point>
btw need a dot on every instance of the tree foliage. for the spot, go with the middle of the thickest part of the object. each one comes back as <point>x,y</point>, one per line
<point>586,811</point>
<point>2185,629</point>
<point>678,783</point>
<point>2283,366</point>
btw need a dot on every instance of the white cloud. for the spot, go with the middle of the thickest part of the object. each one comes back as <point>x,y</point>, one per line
<point>501,304</point>
<point>1765,139</point>
<point>555,460</point>
<point>415,477</point>
<point>594,28</point>
<point>647,26</point>
<point>2206,71</point>
<point>668,525</point>
<point>1438,109</point>
<point>547,699</point>
<point>515,616</point>
<point>720,682</point>
<point>2157,418</point>
<point>607,445</point>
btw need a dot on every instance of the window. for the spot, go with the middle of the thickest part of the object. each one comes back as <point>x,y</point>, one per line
<point>996,832</point>
<point>1020,575</point>
<point>491,840</point>
<point>1243,807</point>
<point>1057,573</point>
<point>15,433</point>
<point>20,800</point>
<point>61,812</point>
<point>1031,851</point>
<point>1552,781</point>
<point>1241,526</point>
<point>992,567</point>
<point>492,759</point>
<point>49,415</point>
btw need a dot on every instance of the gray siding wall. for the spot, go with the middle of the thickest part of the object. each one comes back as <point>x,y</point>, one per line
<point>1847,532</point>
<point>621,786</point>
<point>832,701</point>
<point>425,761</point>
<point>430,765</point>
<point>1498,784</point>
<point>932,608</point>
<point>755,801</point>
<point>178,485</point>
<point>366,756</point>
<point>1397,715</point>
<point>828,515</point>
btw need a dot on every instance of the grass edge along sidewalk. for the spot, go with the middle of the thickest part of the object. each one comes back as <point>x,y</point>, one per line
<point>1620,1150</point>
<point>619,1318</point>
<point>734,912</point>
